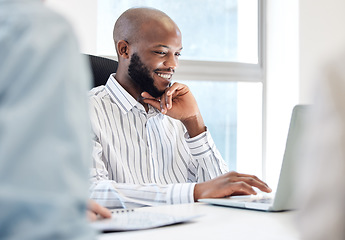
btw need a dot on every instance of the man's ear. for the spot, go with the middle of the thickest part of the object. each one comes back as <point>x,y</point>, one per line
<point>123,49</point>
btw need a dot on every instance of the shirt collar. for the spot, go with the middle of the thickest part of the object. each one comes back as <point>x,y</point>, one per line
<point>119,95</point>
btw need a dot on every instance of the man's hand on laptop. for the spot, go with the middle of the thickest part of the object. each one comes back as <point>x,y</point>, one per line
<point>229,184</point>
<point>96,211</point>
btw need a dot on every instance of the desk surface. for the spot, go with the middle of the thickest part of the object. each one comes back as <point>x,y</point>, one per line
<point>217,223</point>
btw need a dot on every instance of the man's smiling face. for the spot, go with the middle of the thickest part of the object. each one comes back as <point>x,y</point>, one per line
<point>155,57</point>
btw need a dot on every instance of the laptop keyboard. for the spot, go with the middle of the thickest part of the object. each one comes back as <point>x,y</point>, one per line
<point>267,200</point>
<point>125,220</point>
<point>140,219</point>
<point>260,198</point>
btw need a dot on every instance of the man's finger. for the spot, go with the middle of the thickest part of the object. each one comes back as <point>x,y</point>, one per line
<point>255,182</point>
<point>252,176</point>
<point>242,188</point>
<point>146,95</point>
<point>147,98</point>
<point>98,209</point>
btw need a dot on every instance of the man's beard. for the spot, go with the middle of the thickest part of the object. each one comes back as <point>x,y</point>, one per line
<point>141,76</point>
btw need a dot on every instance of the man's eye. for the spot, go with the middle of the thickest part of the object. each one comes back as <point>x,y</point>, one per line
<point>178,54</point>
<point>160,53</point>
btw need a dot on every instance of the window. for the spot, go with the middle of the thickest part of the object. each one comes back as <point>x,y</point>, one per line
<point>226,31</point>
<point>220,63</point>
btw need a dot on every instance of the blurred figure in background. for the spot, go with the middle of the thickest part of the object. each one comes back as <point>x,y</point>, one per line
<point>44,126</point>
<point>322,213</point>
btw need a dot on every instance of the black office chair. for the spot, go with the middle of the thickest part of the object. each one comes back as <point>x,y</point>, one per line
<point>101,69</point>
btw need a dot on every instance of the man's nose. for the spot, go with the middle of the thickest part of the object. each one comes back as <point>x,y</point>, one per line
<point>171,62</point>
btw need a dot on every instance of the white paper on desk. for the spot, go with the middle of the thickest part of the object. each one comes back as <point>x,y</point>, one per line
<point>137,220</point>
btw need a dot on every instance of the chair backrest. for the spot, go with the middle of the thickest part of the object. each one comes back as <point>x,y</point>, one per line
<point>101,69</point>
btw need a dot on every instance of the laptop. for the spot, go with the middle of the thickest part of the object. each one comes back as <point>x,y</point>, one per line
<point>282,199</point>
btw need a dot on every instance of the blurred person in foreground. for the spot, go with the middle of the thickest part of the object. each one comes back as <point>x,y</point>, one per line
<point>321,181</point>
<point>44,127</point>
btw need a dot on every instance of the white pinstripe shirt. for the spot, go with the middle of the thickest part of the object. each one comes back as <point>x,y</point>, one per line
<point>144,158</point>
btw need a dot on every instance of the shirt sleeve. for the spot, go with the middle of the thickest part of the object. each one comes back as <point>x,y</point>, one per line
<point>111,194</point>
<point>207,162</point>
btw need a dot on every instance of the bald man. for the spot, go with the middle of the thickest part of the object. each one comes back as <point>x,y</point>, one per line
<point>151,145</point>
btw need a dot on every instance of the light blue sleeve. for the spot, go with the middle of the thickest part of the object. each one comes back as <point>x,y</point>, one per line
<point>44,126</point>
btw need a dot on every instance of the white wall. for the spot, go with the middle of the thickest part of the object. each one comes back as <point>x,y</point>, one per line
<point>302,36</point>
<point>82,14</point>
<point>282,80</point>
<point>321,36</point>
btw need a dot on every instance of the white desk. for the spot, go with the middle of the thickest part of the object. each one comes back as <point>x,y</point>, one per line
<point>216,223</point>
